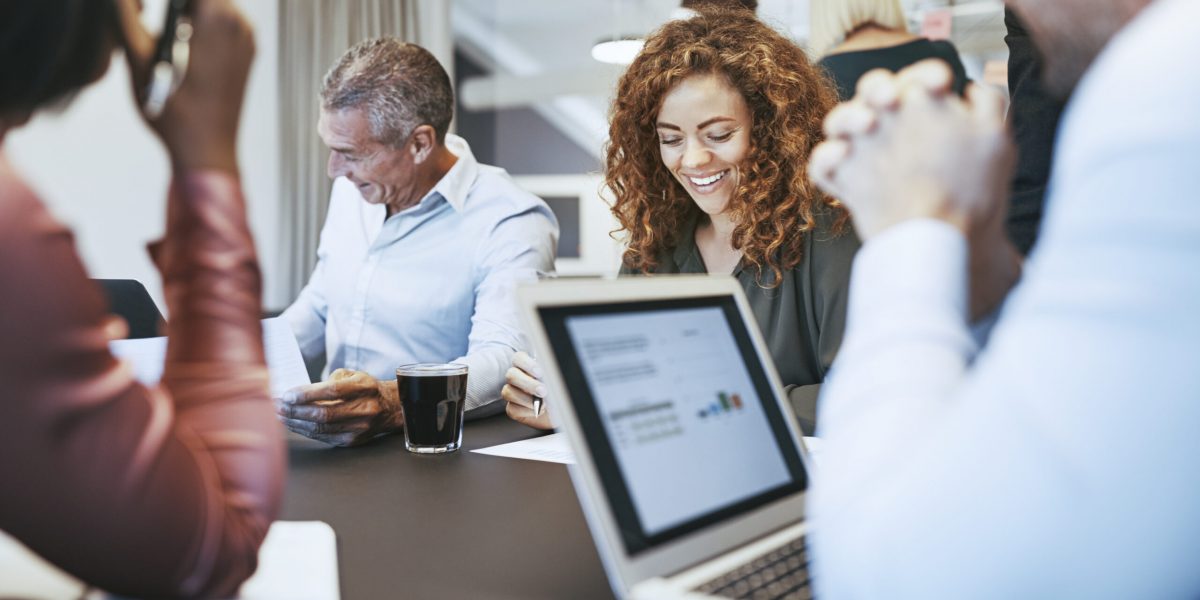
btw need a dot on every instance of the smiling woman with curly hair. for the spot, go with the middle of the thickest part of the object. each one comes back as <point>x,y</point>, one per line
<point>710,133</point>
<point>770,200</point>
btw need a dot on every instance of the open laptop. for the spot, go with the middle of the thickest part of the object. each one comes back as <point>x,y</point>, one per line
<point>690,470</point>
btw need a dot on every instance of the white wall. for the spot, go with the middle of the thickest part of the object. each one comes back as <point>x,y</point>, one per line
<point>102,172</point>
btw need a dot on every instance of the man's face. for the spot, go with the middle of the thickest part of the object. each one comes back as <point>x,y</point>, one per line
<point>383,174</point>
<point>1070,34</point>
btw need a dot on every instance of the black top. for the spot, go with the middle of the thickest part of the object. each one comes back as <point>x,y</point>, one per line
<point>1033,117</point>
<point>802,319</point>
<point>846,67</point>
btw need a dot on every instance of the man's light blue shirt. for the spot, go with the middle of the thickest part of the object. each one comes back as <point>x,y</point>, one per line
<point>432,283</point>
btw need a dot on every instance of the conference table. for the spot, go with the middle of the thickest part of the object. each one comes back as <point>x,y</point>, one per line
<point>461,525</point>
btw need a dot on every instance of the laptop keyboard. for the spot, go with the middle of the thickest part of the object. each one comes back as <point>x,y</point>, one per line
<point>779,574</point>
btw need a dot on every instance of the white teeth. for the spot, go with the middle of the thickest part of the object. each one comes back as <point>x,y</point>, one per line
<point>708,180</point>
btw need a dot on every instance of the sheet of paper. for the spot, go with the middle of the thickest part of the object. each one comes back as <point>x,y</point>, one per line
<point>554,448</point>
<point>283,357</point>
<point>146,357</point>
<point>297,561</point>
<point>549,448</point>
<point>24,574</point>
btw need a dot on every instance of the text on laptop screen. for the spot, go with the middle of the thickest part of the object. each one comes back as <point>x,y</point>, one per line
<point>678,412</point>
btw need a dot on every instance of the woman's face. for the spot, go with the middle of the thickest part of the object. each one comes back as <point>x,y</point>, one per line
<point>703,137</point>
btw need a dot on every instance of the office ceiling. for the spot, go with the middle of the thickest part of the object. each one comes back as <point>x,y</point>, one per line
<point>539,51</point>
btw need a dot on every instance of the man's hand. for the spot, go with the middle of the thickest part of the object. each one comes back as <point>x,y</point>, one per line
<point>524,382</point>
<point>907,148</point>
<point>347,410</point>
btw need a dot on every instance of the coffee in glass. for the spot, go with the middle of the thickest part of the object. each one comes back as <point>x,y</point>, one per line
<point>433,396</point>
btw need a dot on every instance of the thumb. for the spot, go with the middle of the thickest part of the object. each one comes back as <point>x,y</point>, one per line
<point>341,374</point>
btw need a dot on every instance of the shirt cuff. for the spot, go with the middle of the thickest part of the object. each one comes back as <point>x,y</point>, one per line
<point>919,266</point>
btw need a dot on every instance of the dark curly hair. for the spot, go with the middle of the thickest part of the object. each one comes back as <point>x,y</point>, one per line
<point>774,205</point>
<point>49,49</point>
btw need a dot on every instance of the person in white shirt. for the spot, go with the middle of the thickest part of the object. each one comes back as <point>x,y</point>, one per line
<point>1057,458</point>
<point>420,253</point>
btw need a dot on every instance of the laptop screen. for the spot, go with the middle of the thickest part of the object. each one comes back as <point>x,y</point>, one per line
<point>677,410</point>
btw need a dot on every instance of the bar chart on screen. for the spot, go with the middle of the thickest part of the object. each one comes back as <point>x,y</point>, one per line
<point>671,387</point>
<point>645,423</point>
<point>657,376</point>
<point>724,404</point>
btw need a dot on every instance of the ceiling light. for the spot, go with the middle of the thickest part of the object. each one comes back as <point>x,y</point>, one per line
<point>620,51</point>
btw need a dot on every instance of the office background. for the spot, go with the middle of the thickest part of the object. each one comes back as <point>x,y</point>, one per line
<point>531,99</point>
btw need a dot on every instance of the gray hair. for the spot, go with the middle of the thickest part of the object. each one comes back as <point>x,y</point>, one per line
<point>400,87</point>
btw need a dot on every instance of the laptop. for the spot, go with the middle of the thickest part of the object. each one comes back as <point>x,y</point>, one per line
<point>690,470</point>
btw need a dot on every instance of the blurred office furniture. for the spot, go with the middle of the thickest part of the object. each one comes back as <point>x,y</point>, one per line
<point>129,299</point>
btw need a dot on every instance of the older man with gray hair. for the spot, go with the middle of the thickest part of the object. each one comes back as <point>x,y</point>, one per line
<point>421,249</point>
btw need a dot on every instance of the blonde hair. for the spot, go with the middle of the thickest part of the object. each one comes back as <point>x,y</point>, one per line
<point>832,20</point>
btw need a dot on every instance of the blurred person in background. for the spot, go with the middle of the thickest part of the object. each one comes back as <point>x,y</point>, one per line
<point>709,136</point>
<point>147,492</point>
<point>856,36</point>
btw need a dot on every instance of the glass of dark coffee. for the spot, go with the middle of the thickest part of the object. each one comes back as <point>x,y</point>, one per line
<point>432,396</point>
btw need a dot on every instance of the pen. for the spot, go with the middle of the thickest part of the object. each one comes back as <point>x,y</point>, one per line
<point>537,406</point>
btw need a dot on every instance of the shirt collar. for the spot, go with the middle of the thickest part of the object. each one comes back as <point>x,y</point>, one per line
<point>457,182</point>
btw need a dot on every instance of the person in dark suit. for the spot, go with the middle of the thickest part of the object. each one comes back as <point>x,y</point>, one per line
<point>1033,117</point>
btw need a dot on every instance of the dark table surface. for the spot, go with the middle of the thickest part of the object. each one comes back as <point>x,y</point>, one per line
<point>462,525</point>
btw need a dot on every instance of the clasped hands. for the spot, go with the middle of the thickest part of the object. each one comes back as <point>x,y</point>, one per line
<point>906,147</point>
<point>348,409</point>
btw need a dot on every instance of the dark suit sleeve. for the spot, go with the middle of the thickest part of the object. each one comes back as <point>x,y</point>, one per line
<point>1033,117</point>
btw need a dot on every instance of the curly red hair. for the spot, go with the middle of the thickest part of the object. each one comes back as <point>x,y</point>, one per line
<point>775,204</point>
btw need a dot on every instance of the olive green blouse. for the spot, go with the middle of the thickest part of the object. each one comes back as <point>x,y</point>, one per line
<point>802,319</point>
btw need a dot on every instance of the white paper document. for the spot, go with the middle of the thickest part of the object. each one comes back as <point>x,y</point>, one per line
<point>549,448</point>
<point>146,357</point>
<point>297,561</point>
<point>554,448</point>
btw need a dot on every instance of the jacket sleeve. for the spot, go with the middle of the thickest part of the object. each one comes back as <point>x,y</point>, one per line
<point>164,491</point>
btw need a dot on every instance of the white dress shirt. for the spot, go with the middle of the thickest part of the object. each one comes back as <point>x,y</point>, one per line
<point>432,283</point>
<point>1062,459</point>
